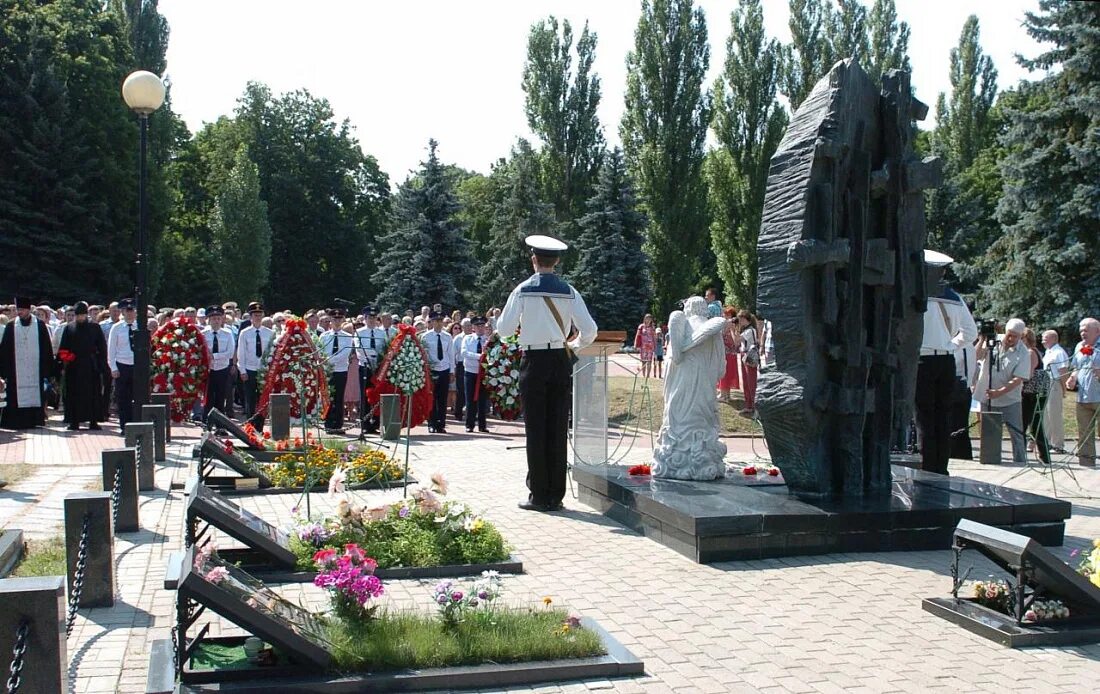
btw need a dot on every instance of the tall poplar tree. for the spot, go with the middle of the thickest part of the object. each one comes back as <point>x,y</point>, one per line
<point>241,248</point>
<point>809,55</point>
<point>847,32</point>
<point>561,103</point>
<point>888,40</point>
<point>664,134</point>
<point>426,258</point>
<point>748,124</point>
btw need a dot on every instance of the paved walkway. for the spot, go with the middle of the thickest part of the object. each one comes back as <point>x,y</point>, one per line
<point>839,623</point>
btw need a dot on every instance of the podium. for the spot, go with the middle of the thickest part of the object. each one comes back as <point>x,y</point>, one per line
<point>590,396</point>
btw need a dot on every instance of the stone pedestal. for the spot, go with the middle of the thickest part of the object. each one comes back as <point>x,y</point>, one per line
<point>279,405</point>
<point>991,438</point>
<point>166,400</point>
<point>99,570</point>
<point>391,417</point>
<point>40,602</point>
<point>124,459</point>
<point>139,435</point>
<point>158,416</point>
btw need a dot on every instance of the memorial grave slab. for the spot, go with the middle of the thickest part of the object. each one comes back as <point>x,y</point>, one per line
<point>210,450</point>
<point>218,420</point>
<point>1033,574</point>
<point>11,550</point>
<point>302,651</point>
<point>752,517</point>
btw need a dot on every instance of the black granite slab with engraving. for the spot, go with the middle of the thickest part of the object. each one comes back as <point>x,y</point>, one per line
<point>219,420</point>
<point>213,449</point>
<point>244,526</point>
<point>737,518</point>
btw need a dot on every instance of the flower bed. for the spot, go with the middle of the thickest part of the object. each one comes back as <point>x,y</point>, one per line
<point>318,465</point>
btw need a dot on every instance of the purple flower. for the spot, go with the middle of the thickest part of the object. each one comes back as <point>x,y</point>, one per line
<point>404,512</point>
<point>456,596</point>
<point>483,594</point>
<point>442,599</point>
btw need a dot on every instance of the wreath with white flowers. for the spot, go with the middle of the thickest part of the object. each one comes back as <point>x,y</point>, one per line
<point>404,371</point>
<point>500,375</point>
<point>181,365</point>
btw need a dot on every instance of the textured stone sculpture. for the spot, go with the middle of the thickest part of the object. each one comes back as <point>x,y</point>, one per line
<point>841,278</point>
<point>687,445</point>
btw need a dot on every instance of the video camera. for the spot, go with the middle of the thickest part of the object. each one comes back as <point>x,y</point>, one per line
<point>987,328</point>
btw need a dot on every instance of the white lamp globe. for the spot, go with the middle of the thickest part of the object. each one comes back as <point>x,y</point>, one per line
<point>143,92</point>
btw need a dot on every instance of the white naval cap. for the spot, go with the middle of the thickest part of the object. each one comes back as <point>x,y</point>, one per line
<point>937,259</point>
<point>545,245</point>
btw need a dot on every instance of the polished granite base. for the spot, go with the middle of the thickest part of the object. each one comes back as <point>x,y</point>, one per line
<point>751,517</point>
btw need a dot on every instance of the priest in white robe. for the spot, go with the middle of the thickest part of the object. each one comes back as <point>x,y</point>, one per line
<point>26,361</point>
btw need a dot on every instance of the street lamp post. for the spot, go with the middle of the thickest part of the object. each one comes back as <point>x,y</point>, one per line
<point>143,92</point>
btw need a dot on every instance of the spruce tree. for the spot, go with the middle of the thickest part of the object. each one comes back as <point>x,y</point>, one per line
<point>241,248</point>
<point>425,258</point>
<point>748,124</point>
<point>663,131</point>
<point>520,213</point>
<point>1044,267</point>
<point>612,271</point>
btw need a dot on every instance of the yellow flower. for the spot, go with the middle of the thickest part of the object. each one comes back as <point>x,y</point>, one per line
<point>547,601</point>
<point>1095,578</point>
<point>1096,543</point>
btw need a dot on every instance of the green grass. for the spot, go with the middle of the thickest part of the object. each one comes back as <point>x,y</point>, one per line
<point>400,640</point>
<point>1069,418</point>
<point>216,656</point>
<point>627,407</point>
<point>43,558</point>
<point>14,472</point>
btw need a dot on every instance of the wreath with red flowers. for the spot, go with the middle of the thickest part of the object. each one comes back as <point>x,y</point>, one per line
<point>500,375</point>
<point>394,374</point>
<point>296,362</point>
<point>181,365</point>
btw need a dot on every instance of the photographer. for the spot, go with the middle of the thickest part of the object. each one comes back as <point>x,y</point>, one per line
<point>1004,369</point>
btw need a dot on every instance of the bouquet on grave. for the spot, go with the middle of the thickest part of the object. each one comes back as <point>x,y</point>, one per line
<point>404,371</point>
<point>500,375</point>
<point>181,365</point>
<point>297,368</point>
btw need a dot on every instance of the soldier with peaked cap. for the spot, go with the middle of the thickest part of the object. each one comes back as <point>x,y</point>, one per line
<point>370,345</point>
<point>222,349</point>
<point>544,308</point>
<point>26,361</point>
<point>470,347</point>
<point>336,346</point>
<point>439,347</point>
<point>943,398</point>
<point>253,343</point>
<point>120,359</point>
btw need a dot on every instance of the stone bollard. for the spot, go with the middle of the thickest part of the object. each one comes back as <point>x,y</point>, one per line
<point>158,415</point>
<point>390,415</point>
<point>139,435</point>
<point>279,404</point>
<point>166,400</point>
<point>98,589</point>
<point>126,459</point>
<point>39,603</point>
<point>991,438</point>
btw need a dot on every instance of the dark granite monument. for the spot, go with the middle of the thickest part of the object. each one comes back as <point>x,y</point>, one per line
<point>211,450</point>
<point>841,278</point>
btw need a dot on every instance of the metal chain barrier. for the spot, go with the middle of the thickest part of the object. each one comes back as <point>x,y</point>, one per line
<point>175,649</point>
<point>78,577</point>
<point>15,670</point>
<point>116,495</point>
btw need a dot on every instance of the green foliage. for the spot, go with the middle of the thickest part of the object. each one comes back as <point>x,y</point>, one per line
<point>240,232</point>
<point>748,124</point>
<point>426,256</point>
<point>664,133</point>
<point>478,196</point>
<point>404,640</point>
<point>887,40</point>
<point>963,124</point>
<point>612,271</point>
<point>809,55</point>
<point>43,558</point>
<point>1041,268</point>
<point>847,32</point>
<point>561,104</point>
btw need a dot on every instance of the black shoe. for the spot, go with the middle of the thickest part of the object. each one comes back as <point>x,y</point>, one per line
<point>73,427</point>
<point>557,507</point>
<point>532,506</point>
<point>469,430</point>
<point>94,427</point>
<point>441,431</point>
<point>483,430</point>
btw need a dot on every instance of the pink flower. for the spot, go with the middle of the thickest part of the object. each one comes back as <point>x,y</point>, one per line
<point>336,482</point>
<point>217,574</point>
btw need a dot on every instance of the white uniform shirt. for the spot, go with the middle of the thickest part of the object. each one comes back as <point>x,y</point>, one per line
<point>118,345</point>
<point>221,358</point>
<point>371,345</point>
<point>1056,360</point>
<point>431,341</point>
<point>246,347</point>
<point>540,328</point>
<point>336,346</point>
<point>469,353</point>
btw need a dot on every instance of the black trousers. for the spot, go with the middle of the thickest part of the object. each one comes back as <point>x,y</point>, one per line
<point>1034,405</point>
<point>544,380</point>
<point>460,391</point>
<point>124,394</point>
<point>337,382</point>
<point>958,421</point>
<point>441,382</point>
<point>105,398</point>
<point>935,383</point>
<point>252,400</point>
<point>217,392</point>
<point>477,407</point>
<point>368,417</point>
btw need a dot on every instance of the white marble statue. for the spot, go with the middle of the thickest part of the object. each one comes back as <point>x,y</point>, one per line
<point>688,447</point>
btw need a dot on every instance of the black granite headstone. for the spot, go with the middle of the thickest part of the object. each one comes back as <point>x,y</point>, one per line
<point>164,399</point>
<point>99,571</point>
<point>122,460</point>
<point>139,436</point>
<point>207,505</point>
<point>219,420</point>
<point>158,415</point>
<point>40,603</point>
<point>215,449</point>
<point>279,404</point>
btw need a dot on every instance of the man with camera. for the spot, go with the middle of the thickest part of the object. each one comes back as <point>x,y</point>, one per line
<point>1085,377</point>
<point>1005,367</point>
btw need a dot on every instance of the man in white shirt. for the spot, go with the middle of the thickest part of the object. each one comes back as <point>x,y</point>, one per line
<point>1003,374</point>
<point>440,350</point>
<point>460,369</point>
<point>253,343</point>
<point>1056,362</point>
<point>471,347</point>
<point>222,348</point>
<point>387,325</point>
<point>547,307</point>
<point>120,358</point>
<point>336,346</point>
<point>371,343</point>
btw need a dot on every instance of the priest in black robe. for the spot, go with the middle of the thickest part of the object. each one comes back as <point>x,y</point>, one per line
<point>26,361</point>
<point>83,356</point>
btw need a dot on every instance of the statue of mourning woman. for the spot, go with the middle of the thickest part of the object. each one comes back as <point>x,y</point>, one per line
<point>687,446</point>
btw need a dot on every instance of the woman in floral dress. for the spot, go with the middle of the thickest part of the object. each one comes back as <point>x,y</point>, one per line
<point>645,341</point>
